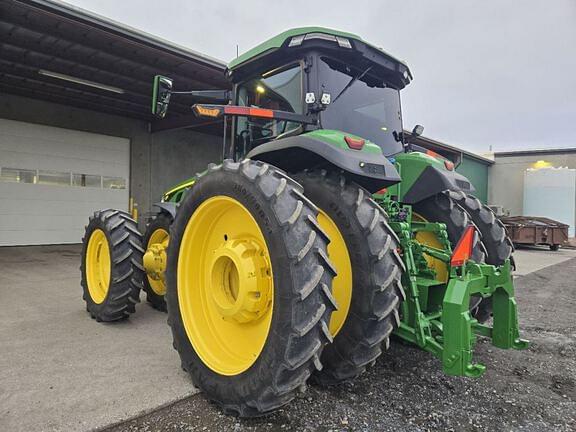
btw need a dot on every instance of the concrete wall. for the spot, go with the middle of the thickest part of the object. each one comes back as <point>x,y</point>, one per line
<point>477,173</point>
<point>157,161</point>
<point>178,155</point>
<point>506,177</point>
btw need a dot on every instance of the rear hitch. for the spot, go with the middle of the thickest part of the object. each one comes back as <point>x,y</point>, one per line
<point>436,314</point>
<point>460,329</point>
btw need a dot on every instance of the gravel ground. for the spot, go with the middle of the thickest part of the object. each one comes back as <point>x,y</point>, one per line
<point>531,390</point>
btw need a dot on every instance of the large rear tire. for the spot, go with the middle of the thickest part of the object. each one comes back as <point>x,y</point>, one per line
<point>498,245</point>
<point>248,225</point>
<point>367,287</point>
<point>157,232</point>
<point>444,208</point>
<point>111,266</point>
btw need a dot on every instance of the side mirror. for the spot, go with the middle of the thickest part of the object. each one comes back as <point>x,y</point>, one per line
<point>161,95</point>
<point>417,131</point>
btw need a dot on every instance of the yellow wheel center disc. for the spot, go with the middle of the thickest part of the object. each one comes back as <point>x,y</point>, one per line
<point>155,260</point>
<point>98,266</point>
<point>342,283</point>
<point>225,285</point>
<point>240,299</point>
<point>430,239</point>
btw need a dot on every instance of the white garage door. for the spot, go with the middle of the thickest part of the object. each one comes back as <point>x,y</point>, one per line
<point>52,179</point>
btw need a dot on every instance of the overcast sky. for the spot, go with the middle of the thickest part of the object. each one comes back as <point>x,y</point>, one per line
<point>498,72</point>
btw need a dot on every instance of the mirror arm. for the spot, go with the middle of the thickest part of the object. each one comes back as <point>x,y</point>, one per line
<point>210,94</point>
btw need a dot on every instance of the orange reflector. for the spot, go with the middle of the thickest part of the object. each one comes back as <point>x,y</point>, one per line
<point>249,112</point>
<point>449,165</point>
<point>354,143</point>
<point>432,153</point>
<point>207,112</point>
<point>382,191</point>
<point>463,250</point>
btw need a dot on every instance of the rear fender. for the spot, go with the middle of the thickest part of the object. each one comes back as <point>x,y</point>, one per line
<point>371,170</point>
<point>424,176</point>
<point>433,181</point>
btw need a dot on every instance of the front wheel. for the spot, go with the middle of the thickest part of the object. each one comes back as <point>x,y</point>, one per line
<point>111,266</point>
<point>248,287</point>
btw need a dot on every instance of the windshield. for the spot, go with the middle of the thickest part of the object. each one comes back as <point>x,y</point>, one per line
<point>276,90</point>
<point>365,108</point>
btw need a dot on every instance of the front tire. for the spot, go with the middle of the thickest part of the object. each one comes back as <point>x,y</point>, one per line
<point>111,266</point>
<point>248,225</point>
<point>367,289</point>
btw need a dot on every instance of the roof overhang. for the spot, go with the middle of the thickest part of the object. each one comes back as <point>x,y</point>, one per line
<point>56,52</point>
<point>536,152</point>
<point>452,153</point>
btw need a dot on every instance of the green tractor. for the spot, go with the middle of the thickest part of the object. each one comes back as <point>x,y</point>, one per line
<point>322,233</point>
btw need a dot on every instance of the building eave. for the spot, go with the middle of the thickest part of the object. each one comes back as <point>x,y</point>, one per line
<point>124,31</point>
<point>435,144</point>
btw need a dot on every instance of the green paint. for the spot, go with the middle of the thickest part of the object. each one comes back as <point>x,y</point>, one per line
<point>279,40</point>
<point>435,315</point>
<point>336,138</point>
<point>477,173</point>
<point>410,166</point>
<point>155,93</point>
<point>177,192</point>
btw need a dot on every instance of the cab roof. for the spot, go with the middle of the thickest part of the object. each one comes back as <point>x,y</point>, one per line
<point>293,40</point>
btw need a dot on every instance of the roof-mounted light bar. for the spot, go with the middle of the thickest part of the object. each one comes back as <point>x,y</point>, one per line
<point>342,42</point>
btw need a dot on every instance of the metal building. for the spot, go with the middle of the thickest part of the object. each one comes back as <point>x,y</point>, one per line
<point>508,174</point>
<point>76,133</point>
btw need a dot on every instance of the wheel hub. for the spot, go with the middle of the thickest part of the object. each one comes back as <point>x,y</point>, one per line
<point>240,279</point>
<point>155,261</point>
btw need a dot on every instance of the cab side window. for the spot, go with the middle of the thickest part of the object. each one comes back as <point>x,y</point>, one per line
<point>280,90</point>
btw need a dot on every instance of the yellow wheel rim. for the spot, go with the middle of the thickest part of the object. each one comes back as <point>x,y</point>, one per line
<point>98,266</point>
<point>155,260</point>
<point>225,285</point>
<point>430,239</point>
<point>342,283</point>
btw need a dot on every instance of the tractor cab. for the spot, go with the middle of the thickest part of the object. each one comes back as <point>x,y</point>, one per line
<point>334,77</point>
